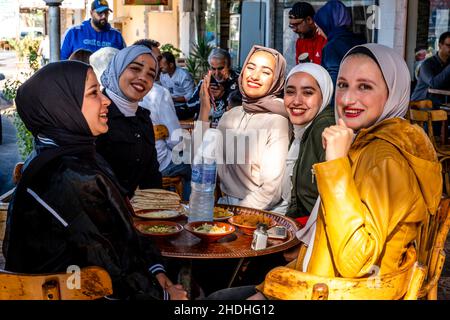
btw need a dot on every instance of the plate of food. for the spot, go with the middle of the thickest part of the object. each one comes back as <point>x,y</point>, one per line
<point>158,228</point>
<point>210,231</point>
<point>155,200</point>
<point>221,214</point>
<point>247,222</point>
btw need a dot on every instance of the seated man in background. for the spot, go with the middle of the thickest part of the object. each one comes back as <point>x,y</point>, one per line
<point>434,73</point>
<point>223,83</point>
<point>162,112</point>
<point>179,82</point>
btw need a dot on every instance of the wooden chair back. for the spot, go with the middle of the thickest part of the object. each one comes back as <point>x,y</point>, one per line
<point>161,132</point>
<point>187,125</point>
<point>176,182</point>
<point>93,283</point>
<point>422,117</point>
<point>289,284</point>
<point>431,244</point>
<point>17,172</point>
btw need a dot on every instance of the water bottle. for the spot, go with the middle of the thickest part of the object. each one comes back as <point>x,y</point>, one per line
<point>203,183</point>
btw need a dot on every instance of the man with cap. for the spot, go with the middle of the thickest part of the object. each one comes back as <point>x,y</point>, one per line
<point>309,43</point>
<point>92,34</point>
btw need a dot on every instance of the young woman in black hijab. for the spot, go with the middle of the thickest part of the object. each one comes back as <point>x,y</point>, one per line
<point>68,208</point>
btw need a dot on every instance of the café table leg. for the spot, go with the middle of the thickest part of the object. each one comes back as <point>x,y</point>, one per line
<point>236,270</point>
<point>185,277</point>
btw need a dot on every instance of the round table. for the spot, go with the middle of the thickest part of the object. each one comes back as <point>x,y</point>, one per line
<point>237,245</point>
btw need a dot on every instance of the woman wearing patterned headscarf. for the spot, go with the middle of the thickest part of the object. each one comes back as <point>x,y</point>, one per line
<point>129,145</point>
<point>381,179</point>
<point>68,208</point>
<point>252,177</point>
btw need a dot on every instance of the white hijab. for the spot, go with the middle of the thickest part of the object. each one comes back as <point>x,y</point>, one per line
<point>397,77</point>
<point>326,87</point>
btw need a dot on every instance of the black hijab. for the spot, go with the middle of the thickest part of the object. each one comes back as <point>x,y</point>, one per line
<point>49,103</point>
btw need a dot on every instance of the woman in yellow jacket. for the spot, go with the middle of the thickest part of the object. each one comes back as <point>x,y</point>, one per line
<point>381,178</point>
<point>378,187</point>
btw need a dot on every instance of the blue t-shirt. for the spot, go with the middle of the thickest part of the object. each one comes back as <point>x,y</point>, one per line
<point>84,36</point>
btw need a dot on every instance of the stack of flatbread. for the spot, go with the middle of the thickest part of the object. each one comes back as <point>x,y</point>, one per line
<point>156,203</point>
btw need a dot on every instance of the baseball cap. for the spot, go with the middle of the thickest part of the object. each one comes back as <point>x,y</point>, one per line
<point>301,10</point>
<point>100,6</point>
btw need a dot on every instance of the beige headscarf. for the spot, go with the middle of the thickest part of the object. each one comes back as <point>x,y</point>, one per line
<point>272,101</point>
<point>396,75</point>
<point>397,78</point>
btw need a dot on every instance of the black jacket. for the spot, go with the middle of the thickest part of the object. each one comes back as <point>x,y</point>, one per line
<point>86,223</point>
<point>129,148</point>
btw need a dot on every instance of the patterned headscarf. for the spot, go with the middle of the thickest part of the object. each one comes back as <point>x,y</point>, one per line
<point>272,101</point>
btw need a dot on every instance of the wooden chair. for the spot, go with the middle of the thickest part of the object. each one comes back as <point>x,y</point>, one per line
<point>428,117</point>
<point>431,244</point>
<point>290,284</point>
<point>17,173</point>
<point>176,182</point>
<point>94,283</point>
<point>187,125</point>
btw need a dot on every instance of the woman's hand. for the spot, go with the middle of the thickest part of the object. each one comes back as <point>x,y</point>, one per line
<point>205,98</point>
<point>176,292</point>
<point>337,140</point>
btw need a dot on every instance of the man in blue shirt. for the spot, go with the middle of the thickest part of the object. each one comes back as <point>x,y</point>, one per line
<point>434,73</point>
<point>92,34</point>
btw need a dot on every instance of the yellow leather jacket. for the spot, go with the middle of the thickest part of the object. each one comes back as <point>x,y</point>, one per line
<point>374,201</point>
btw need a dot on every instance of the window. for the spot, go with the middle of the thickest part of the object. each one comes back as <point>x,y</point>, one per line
<point>439,22</point>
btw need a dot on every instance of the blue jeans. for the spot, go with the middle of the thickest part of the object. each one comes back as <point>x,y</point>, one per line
<point>235,293</point>
<point>183,170</point>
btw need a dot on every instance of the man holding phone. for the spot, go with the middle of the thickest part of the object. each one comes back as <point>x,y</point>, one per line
<point>223,82</point>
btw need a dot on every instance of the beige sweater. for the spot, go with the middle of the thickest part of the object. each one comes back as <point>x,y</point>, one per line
<point>255,147</point>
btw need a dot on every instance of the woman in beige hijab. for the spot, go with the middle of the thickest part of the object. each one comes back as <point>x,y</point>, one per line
<point>255,135</point>
<point>378,187</point>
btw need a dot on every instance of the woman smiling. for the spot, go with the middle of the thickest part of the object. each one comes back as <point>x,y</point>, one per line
<point>307,96</point>
<point>129,145</point>
<point>261,124</point>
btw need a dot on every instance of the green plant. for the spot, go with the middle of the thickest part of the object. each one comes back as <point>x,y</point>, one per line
<point>24,137</point>
<point>193,67</point>
<point>198,59</point>
<point>28,48</point>
<point>170,48</point>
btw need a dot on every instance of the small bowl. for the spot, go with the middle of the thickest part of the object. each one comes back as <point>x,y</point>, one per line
<point>247,229</point>
<point>209,237</point>
<point>142,226</point>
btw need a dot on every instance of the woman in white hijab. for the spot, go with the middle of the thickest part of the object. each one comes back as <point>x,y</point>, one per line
<point>307,95</point>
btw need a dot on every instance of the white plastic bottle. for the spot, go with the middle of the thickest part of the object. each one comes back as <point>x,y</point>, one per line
<point>203,181</point>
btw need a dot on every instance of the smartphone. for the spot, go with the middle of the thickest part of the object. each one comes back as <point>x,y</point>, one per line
<point>277,232</point>
<point>213,83</point>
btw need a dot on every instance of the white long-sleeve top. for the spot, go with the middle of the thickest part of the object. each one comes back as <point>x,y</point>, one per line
<point>256,171</point>
<point>162,111</point>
